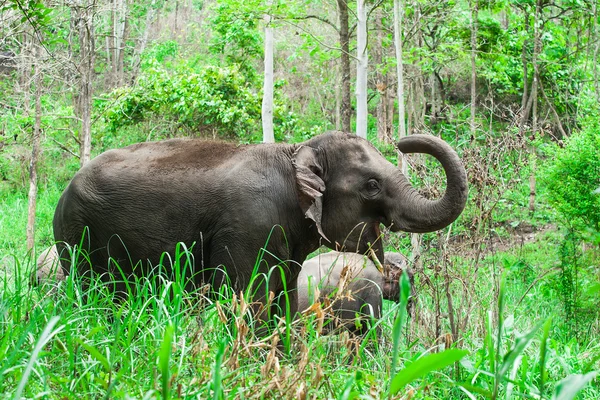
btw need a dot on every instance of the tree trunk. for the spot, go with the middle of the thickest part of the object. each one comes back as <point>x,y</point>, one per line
<point>434,113</point>
<point>346,104</point>
<point>525,99</point>
<point>398,15</point>
<point>596,40</point>
<point>537,47</point>
<point>338,103</point>
<point>416,122</point>
<point>35,151</point>
<point>135,66</point>
<point>84,15</point>
<point>474,16</point>
<point>417,87</point>
<point>267,102</point>
<point>25,66</point>
<point>381,82</point>
<point>114,50</point>
<point>122,43</point>
<point>361,69</point>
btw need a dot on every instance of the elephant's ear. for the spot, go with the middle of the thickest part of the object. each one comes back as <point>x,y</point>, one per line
<point>310,184</point>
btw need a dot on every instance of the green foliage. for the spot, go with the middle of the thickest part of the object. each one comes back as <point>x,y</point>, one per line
<point>399,324</point>
<point>569,387</point>
<point>425,365</point>
<point>35,13</point>
<point>569,259</point>
<point>571,176</point>
<point>194,99</point>
<point>236,35</point>
<point>159,53</point>
<point>212,102</point>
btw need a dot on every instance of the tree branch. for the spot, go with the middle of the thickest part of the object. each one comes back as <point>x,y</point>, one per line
<point>317,40</point>
<point>65,148</point>
<point>325,20</point>
<point>560,127</point>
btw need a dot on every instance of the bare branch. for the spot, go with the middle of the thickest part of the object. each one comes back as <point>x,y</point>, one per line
<point>317,17</point>
<point>317,40</point>
<point>65,148</point>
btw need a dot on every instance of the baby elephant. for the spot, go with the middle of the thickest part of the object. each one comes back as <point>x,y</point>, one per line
<point>354,286</point>
<point>48,267</point>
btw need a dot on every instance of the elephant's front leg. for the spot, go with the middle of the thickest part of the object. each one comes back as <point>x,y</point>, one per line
<point>274,297</point>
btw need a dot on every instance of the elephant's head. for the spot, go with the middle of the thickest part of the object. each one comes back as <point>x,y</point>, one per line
<point>348,188</point>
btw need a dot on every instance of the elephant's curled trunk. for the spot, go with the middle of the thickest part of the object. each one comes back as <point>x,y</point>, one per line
<point>419,214</point>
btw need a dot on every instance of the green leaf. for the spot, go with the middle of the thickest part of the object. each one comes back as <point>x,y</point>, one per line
<point>543,345</point>
<point>424,365</point>
<point>95,353</point>
<point>400,319</point>
<point>476,389</point>
<point>46,335</point>
<point>163,360</point>
<point>568,388</point>
<point>520,344</point>
<point>217,383</point>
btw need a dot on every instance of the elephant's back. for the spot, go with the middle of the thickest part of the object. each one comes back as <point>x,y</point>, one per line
<point>168,156</point>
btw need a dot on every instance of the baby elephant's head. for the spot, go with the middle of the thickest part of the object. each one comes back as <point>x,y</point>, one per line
<point>393,267</point>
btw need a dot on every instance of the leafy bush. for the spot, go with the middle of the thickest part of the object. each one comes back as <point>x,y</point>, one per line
<point>212,102</point>
<point>204,101</point>
<point>236,36</point>
<point>572,177</point>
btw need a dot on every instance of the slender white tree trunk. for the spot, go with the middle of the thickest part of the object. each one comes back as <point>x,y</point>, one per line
<point>143,41</point>
<point>345,99</point>
<point>537,48</point>
<point>338,104</point>
<point>474,16</point>
<point>361,70</point>
<point>84,14</point>
<point>267,103</point>
<point>596,49</point>
<point>35,150</point>
<point>398,14</point>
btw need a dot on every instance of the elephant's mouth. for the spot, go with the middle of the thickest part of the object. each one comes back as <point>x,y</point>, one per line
<point>389,223</point>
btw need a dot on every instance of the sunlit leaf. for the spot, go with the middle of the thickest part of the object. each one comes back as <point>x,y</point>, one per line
<point>424,365</point>
<point>568,388</point>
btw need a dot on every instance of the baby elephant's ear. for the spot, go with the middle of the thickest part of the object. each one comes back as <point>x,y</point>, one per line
<point>310,184</point>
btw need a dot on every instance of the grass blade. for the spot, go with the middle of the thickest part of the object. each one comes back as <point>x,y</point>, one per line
<point>400,319</point>
<point>95,353</point>
<point>489,342</point>
<point>424,365</point>
<point>46,335</point>
<point>163,360</point>
<point>568,388</point>
<point>519,346</point>
<point>217,381</point>
<point>543,345</point>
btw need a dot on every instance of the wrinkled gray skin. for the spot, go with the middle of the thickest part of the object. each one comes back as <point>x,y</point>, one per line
<point>48,268</point>
<point>353,285</point>
<point>223,201</point>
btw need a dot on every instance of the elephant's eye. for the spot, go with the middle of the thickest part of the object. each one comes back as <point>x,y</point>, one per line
<point>373,187</point>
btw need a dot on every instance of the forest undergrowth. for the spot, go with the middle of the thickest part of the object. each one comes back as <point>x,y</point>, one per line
<point>489,322</point>
<point>507,298</point>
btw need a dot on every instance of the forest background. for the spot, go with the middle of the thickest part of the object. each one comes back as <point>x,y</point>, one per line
<point>512,287</point>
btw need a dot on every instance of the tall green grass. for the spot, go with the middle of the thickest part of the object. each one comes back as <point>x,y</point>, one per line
<point>66,341</point>
<point>165,342</point>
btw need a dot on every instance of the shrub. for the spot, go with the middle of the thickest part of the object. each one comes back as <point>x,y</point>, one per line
<point>572,177</point>
<point>212,102</point>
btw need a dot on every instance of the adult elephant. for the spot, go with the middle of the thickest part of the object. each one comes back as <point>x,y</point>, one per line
<point>226,202</point>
